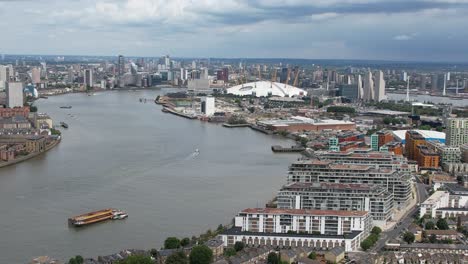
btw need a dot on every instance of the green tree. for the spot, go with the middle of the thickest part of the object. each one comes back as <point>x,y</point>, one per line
<point>408,237</point>
<point>387,120</point>
<point>373,238</point>
<point>79,259</point>
<point>432,238</point>
<point>312,255</point>
<point>230,252</point>
<point>154,252</point>
<point>220,228</point>
<point>72,261</point>
<point>171,243</point>
<point>425,127</point>
<point>178,257</point>
<point>137,259</point>
<point>366,244</point>
<point>376,230</point>
<point>33,108</point>
<point>185,242</point>
<point>273,258</point>
<point>201,255</point>
<point>429,225</point>
<point>442,224</point>
<point>238,246</point>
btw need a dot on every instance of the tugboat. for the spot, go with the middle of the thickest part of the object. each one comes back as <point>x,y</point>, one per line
<point>119,215</point>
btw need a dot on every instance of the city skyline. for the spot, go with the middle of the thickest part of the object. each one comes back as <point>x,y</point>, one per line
<point>338,29</point>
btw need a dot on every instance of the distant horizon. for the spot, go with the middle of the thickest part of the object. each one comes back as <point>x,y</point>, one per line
<point>461,62</point>
<point>381,30</point>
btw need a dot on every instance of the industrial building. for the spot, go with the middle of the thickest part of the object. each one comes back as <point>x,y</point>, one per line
<point>299,123</point>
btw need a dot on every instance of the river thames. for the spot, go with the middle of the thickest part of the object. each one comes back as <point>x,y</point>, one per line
<point>129,155</point>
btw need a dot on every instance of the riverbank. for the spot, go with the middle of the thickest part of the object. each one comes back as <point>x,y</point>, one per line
<point>30,156</point>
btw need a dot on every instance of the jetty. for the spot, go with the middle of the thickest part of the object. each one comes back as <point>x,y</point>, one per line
<point>291,149</point>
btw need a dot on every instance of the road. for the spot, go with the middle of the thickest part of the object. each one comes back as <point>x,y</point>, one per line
<point>405,222</point>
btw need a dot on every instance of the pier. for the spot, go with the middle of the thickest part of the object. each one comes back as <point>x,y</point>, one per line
<point>168,110</point>
<point>291,149</point>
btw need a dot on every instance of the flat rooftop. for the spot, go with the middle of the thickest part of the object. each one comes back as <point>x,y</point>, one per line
<point>278,211</point>
<point>436,196</point>
<point>386,112</point>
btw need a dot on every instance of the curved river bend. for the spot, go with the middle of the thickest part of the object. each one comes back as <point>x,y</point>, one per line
<point>129,155</point>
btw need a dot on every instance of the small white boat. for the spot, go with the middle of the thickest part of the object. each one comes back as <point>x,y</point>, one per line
<point>119,215</point>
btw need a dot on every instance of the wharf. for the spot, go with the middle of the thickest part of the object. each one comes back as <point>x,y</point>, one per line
<point>292,149</point>
<point>31,155</point>
<point>257,128</point>
<point>168,110</point>
<point>235,125</point>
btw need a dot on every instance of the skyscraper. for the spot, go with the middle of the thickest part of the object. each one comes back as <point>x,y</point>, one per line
<point>71,75</point>
<point>204,73</point>
<point>368,86</point>
<point>360,88</point>
<point>121,65</point>
<point>14,91</point>
<point>4,73</point>
<point>379,88</point>
<point>423,82</point>
<point>44,70</point>
<point>88,78</point>
<point>404,76</point>
<point>36,75</point>
<point>434,82</point>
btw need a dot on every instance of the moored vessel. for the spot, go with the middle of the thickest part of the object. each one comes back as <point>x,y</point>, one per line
<point>97,216</point>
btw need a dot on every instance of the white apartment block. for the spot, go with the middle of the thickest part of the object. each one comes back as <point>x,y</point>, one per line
<point>299,228</point>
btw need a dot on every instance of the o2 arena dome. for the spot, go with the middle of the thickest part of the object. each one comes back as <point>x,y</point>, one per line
<point>266,88</point>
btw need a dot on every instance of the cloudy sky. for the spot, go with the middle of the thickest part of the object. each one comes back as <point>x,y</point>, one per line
<point>422,30</point>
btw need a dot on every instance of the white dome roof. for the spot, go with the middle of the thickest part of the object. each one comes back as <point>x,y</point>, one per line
<point>266,88</point>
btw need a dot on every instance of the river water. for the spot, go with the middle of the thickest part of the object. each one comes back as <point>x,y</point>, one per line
<point>129,155</point>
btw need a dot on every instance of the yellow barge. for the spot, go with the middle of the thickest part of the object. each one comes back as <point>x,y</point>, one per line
<point>97,216</point>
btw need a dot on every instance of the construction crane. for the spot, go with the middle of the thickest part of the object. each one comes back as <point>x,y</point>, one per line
<point>296,78</point>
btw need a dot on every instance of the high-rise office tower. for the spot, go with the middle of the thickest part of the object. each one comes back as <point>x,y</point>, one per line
<point>204,73</point>
<point>36,75</point>
<point>360,88</point>
<point>368,86</point>
<point>121,65</point>
<point>457,131</point>
<point>434,81</point>
<point>14,92</point>
<point>379,88</point>
<point>404,76</point>
<point>88,78</point>
<point>4,73</point>
<point>423,82</point>
<point>71,75</point>
<point>44,70</point>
